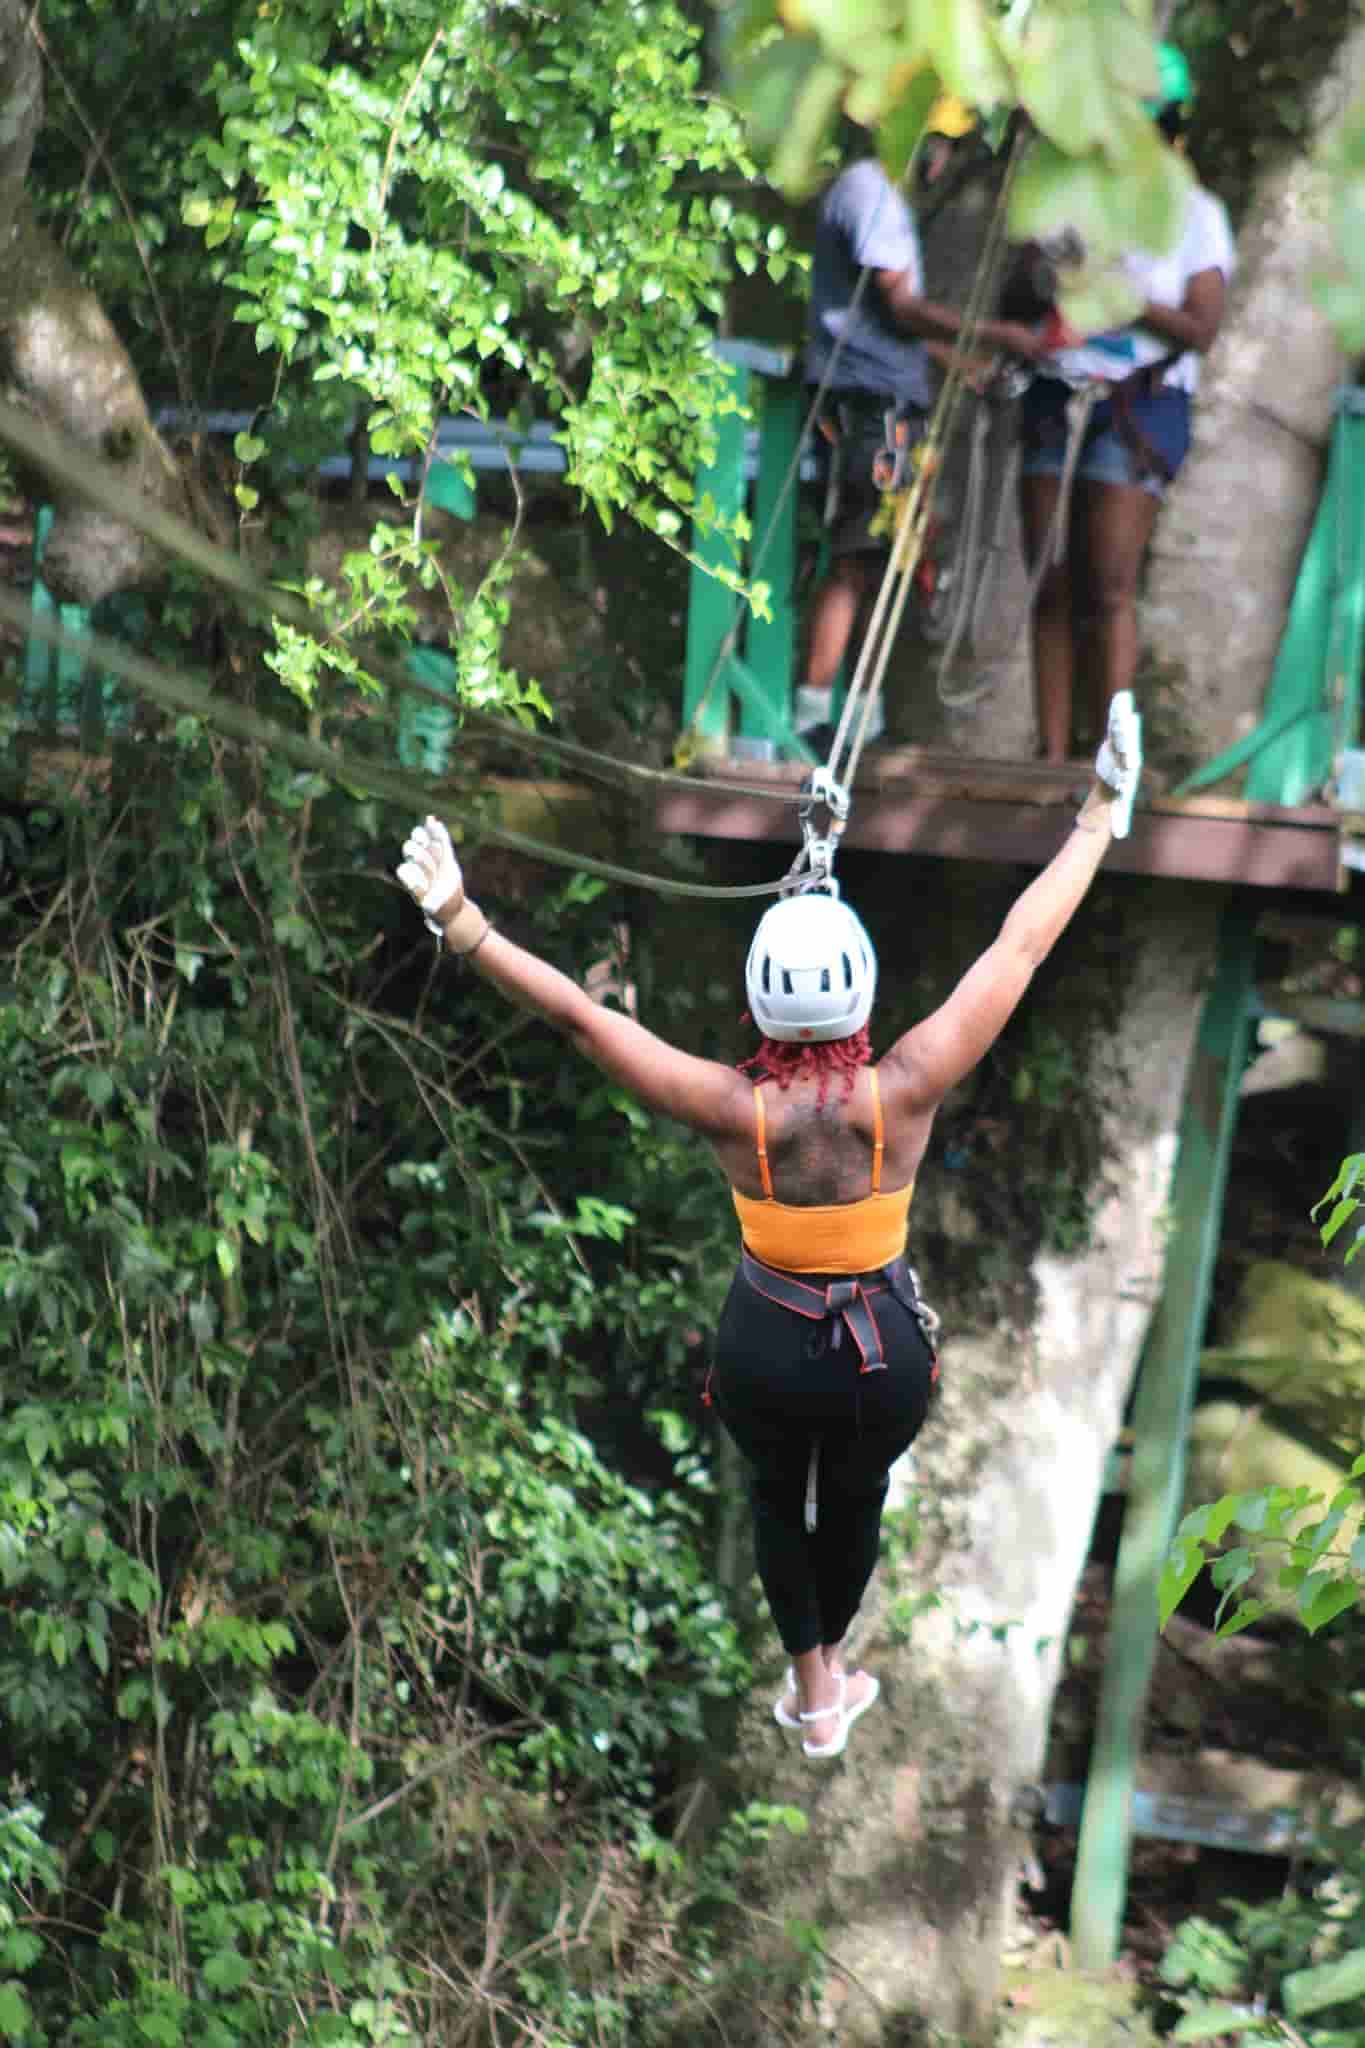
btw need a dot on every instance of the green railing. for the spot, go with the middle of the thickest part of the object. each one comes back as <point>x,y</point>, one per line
<point>1311,712</point>
<point>739,665</point>
<point>60,695</point>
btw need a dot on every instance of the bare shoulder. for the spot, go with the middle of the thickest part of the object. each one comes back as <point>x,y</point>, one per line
<point>906,1083</point>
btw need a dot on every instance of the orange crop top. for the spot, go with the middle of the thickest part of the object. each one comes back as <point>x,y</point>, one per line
<point>827,1237</point>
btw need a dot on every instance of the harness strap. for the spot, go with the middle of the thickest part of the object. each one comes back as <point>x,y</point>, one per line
<point>848,1302</point>
<point>761,1143</point>
<point>1121,392</point>
<point>1148,457</point>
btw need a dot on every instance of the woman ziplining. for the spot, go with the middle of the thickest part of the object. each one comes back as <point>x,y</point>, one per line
<point>823,1362</point>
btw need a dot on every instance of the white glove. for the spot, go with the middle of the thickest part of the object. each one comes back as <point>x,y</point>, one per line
<point>1118,763</point>
<point>430,872</point>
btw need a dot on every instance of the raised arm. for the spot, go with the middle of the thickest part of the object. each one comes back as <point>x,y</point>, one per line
<point>936,1054</point>
<point>703,1094</point>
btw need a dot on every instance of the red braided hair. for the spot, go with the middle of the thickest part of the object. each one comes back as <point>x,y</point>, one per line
<point>823,1061</point>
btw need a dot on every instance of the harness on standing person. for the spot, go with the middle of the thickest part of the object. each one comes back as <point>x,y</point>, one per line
<point>1122,394</point>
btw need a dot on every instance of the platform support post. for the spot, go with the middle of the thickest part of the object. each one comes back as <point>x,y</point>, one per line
<point>711,611</point>
<point>1167,1379</point>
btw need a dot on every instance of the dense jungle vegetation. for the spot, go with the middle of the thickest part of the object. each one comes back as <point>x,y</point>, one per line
<point>361,1634</point>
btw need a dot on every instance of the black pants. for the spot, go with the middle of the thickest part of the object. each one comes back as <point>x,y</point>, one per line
<point>782,1385</point>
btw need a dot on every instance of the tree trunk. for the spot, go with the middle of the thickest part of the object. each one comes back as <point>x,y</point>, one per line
<point>60,357</point>
<point>1262,425</point>
<point>911,1864</point>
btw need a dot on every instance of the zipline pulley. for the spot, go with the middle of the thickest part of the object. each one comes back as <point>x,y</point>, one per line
<point>813,867</point>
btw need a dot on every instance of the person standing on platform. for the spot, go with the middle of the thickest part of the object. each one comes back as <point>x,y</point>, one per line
<point>868,348</point>
<point>1138,383</point>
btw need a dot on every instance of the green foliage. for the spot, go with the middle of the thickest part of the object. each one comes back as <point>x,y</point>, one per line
<point>378,214</point>
<point>1291,1969</point>
<point>1340,290</point>
<point>1324,1579</point>
<point>1344,1203</point>
<point>349,1674</point>
<point>1321,1561</point>
<point>1080,69</point>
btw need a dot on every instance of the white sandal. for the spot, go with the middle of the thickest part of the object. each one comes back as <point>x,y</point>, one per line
<point>780,1714</point>
<point>835,1745</point>
<point>786,1720</point>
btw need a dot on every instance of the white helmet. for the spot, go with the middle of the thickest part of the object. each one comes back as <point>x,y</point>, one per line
<point>811,972</point>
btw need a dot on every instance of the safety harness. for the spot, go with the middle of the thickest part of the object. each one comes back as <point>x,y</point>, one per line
<point>847,1304</point>
<point>844,1304</point>
<point>1122,394</point>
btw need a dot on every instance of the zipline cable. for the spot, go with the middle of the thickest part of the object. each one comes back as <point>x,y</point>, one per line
<point>913,515</point>
<point>101,485</point>
<point>342,766</point>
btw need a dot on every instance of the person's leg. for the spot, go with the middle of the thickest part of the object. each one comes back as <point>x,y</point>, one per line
<point>1054,650</point>
<point>855,1473</point>
<point>833,616</point>
<point>855,1465</point>
<point>1118,520</point>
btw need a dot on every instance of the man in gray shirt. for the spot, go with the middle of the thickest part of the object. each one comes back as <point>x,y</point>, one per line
<point>877,397</point>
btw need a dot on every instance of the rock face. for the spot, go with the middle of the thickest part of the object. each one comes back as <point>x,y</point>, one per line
<point>917,1835</point>
<point>1064,2009</point>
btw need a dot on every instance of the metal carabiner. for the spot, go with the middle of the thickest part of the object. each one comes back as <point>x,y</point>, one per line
<point>820,791</point>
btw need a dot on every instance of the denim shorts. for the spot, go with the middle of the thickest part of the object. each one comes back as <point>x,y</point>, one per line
<point>1162,418</point>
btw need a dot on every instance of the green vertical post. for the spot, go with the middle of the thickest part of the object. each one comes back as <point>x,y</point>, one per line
<point>1315,682</point>
<point>770,644</point>
<point>51,695</point>
<point>1346,630</point>
<point>712,609</point>
<point>1165,1396</point>
<point>426,731</point>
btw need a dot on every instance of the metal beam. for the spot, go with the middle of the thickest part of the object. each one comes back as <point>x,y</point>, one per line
<point>1165,1396</point>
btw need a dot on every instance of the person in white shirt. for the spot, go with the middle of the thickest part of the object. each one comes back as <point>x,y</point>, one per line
<point>1144,378</point>
<point>868,348</point>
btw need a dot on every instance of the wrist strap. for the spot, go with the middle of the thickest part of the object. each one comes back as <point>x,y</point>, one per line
<point>467,930</point>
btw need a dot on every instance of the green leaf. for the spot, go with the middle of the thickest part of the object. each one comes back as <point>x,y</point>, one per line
<point>901,130</point>
<point>20,1948</point>
<point>1244,1616</point>
<point>962,42</point>
<point>225,1970</point>
<point>16,2017</point>
<point>1328,1598</point>
<point>1184,1562</point>
<point>1210,2022</point>
<point>1306,1991</point>
<point>161,2028</point>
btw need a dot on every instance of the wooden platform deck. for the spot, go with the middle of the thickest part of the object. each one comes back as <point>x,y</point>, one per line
<point>917,801</point>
